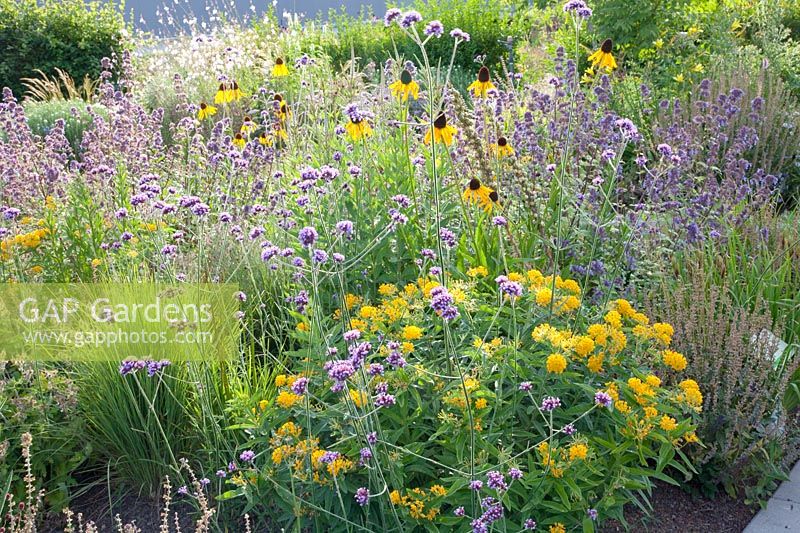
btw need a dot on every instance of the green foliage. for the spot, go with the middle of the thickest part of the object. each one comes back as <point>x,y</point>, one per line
<point>459,410</point>
<point>41,400</point>
<point>726,296</point>
<point>791,18</point>
<point>72,34</point>
<point>42,115</point>
<point>475,423</point>
<point>777,43</point>
<point>672,46</point>
<point>634,25</point>
<point>489,24</point>
<point>136,423</point>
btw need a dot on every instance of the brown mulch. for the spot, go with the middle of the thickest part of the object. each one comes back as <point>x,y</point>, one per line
<point>675,510</point>
<point>94,505</point>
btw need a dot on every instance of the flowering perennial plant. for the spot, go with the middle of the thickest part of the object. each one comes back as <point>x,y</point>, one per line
<point>434,328</point>
<point>467,421</point>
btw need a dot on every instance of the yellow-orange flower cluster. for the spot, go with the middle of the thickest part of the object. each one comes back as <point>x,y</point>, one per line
<point>415,500</point>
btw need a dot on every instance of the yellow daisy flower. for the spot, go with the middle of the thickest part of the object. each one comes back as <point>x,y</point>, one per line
<point>441,132</point>
<point>482,85</point>
<point>277,137</point>
<point>502,148</point>
<point>247,125</point>
<point>603,58</point>
<point>228,92</point>
<point>280,69</point>
<point>358,130</point>
<point>478,193</point>
<point>222,94</point>
<point>284,112</point>
<point>206,111</point>
<point>405,87</point>
<point>235,92</point>
<point>239,141</point>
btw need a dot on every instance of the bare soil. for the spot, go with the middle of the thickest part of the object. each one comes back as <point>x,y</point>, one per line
<point>675,510</point>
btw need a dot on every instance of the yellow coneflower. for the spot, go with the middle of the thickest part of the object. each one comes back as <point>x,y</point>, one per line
<point>478,193</point>
<point>588,76</point>
<point>236,93</point>
<point>603,57</point>
<point>247,125</point>
<point>284,112</point>
<point>441,132</point>
<point>228,92</point>
<point>495,198</point>
<point>278,137</point>
<point>206,111</point>
<point>405,86</point>
<point>358,129</point>
<point>222,94</point>
<point>502,148</point>
<point>279,69</point>
<point>239,140</point>
<point>482,85</point>
<point>265,139</point>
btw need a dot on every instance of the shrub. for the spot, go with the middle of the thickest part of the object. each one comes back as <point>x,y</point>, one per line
<point>42,116</point>
<point>776,42</point>
<point>489,24</point>
<point>72,35</point>
<point>635,25</point>
<point>749,440</point>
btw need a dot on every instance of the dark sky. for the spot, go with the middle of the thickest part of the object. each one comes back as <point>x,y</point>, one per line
<point>147,9</point>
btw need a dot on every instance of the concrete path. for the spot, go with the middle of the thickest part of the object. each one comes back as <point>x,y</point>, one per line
<point>782,514</point>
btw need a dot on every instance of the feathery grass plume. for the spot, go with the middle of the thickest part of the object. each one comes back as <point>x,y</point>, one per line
<point>60,86</point>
